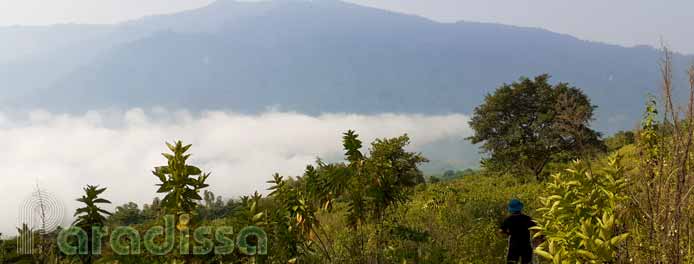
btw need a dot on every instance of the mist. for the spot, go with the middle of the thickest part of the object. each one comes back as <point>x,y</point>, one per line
<point>62,153</point>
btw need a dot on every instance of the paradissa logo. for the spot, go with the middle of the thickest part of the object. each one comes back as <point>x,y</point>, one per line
<point>158,240</point>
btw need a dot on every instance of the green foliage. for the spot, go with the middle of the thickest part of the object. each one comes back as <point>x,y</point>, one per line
<point>391,172</point>
<point>127,214</point>
<point>367,186</point>
<point>661,212</point>
<point>9,252</point>
<point>529,123</point>
<point>377,183</point>
<point>213,207</point>
<point>177,181</point>
<point>91,215</point>
<point>619,140</point>
<point>373,208</point>
<point>452,174</point>
<point>579,213</point>
<point>650,136</point>
<point>296,222</point>
<point>448,222</point>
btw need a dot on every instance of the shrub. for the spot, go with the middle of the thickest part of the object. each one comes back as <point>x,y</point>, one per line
<point>578,214</point>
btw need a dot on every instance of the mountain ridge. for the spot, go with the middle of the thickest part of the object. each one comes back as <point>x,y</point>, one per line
<point>325,56</point>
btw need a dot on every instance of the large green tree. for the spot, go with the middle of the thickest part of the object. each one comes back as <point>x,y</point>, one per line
<point>529,123</point>
<point>127,214</point>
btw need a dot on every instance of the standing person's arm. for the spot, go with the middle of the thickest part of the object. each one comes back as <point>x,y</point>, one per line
<point>504,229</point>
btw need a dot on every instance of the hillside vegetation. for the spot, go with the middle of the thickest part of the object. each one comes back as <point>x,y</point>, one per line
<point>625,199</point>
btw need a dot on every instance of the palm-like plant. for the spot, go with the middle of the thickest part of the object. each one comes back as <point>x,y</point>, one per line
<point>177,181</point>
<point>182,189</point>
<point>91,217</point>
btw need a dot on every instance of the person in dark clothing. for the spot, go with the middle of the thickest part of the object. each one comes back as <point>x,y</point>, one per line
<point>520,249</point>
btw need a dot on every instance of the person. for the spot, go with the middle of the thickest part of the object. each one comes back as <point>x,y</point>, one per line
<point>516,226</point>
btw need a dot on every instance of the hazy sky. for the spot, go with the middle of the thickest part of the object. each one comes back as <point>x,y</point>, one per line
<point>625,22</point>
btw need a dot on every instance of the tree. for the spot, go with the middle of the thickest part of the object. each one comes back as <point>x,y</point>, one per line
<point>449,174</point>
<point>528,123</point>
<point>372,184</point>
<point>127,214</point>
<point>91,217</point>
<point>212,208</point>
<point>367,186</point>
<point>434,179</point>
<point>619,140</point>
<point>152,211</point>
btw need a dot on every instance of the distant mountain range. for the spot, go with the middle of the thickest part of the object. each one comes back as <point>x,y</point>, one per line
<point>312,57</point>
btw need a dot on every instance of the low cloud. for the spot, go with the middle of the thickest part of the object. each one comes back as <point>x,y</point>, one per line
<point>62,153</point>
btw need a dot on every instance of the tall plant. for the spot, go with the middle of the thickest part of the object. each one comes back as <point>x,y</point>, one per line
<point>367,185</point>
<point>91,216</point>
<point>662,195</point>
<point>295,218</point>
<point>371,185</point>
<point>180,182</point>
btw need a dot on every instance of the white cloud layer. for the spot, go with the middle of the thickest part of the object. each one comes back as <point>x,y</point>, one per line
<point>118,149</point>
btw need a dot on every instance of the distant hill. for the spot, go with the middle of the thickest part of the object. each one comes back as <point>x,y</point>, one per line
<point>311,56</point>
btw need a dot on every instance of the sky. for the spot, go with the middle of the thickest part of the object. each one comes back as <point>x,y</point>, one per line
<point>623,22</point>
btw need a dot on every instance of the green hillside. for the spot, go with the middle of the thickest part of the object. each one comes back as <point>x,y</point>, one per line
<point>627,198</point>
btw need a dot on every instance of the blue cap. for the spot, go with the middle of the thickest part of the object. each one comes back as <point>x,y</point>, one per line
<point>515,206</point>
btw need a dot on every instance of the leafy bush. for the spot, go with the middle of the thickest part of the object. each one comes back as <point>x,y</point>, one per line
<point>578,214</point>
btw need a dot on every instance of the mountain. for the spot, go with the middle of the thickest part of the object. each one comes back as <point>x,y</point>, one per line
<point>314,56</point>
